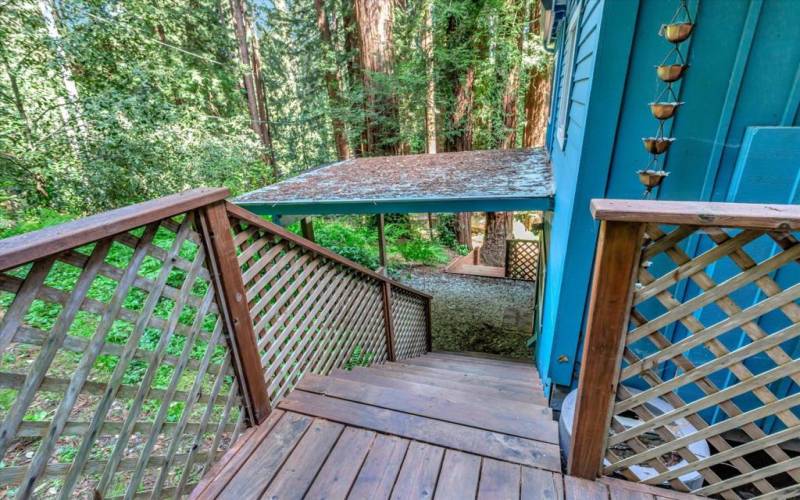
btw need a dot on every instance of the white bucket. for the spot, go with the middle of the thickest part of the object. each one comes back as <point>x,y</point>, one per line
<point>682,427</point>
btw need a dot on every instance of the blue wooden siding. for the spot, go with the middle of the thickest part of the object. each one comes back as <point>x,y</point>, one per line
<point>745,72</point>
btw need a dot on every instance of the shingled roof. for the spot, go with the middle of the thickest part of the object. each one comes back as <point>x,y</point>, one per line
<point>494,180</point>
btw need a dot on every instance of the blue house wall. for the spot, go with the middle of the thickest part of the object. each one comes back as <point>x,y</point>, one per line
<point>737,134</point>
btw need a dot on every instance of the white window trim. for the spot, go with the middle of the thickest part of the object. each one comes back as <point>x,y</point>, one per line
<point>570,46</point>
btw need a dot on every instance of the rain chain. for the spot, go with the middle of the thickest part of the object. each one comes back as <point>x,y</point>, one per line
<point>666,104</point>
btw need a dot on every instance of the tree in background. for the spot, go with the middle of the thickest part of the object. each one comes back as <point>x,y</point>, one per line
<point>105,103</point>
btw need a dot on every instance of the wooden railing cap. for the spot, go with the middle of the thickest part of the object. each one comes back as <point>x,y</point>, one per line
<point>35,245</point>
<point>697,213</point>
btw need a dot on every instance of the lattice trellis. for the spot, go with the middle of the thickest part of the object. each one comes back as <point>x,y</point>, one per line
<point>522,259</point>
<point>115,373</point>
<point>310,313</point>
<point>711,352</point>
<point>410,324</point>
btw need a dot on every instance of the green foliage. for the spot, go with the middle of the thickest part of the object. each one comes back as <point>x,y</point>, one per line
<point>359,357</point>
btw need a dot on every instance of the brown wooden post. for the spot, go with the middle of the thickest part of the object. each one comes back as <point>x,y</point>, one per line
<point>232,302</point>
<point>387,320</point>
<point>381,244</point>
<point>428,326</point>
<point>616,261</point>
<point>307,228</point>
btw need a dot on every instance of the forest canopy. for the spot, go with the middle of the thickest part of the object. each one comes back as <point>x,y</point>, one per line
<point>105,103</point>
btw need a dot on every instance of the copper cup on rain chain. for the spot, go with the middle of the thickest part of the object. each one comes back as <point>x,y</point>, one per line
<point>651,178</point>
<point>677,32</point>
<point>671,72</point>
<point>664,110</point>
<point>657,145</point>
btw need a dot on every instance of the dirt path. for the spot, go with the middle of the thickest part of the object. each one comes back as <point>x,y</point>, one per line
<point>472,313</point>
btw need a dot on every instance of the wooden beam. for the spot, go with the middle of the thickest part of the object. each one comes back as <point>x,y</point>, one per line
<point>695,213</point>
<point>381,243</point>
<point>307,227</point>
<point>617,258</point>
<point>388,322</point>
<point>36,245</point>
<point>232,302</point>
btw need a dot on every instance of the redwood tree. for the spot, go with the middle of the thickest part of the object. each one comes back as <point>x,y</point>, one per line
<point>375,21</point>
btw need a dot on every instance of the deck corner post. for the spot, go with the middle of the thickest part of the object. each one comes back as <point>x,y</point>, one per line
<point>232,301</point>
<point>616,261</point>
<point>386,289</point>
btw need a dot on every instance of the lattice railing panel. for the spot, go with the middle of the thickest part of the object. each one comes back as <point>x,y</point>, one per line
<point>115,376</point>
<point>522,259</point>
<point>711,351</point>
<point>310,313</point>
<point>410,324</point>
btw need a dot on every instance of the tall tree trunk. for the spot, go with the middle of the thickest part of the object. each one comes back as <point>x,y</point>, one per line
<point>332,84</point>
<point>355,77</point>
<point>256,123</point>
<point>461,120</point>
<point>430,95</point>
<point>537,95</point>
<point>70,109</point>
<point>537,109</point>
<point>464,229</point>
<point>375,24</point>
<point>265,130</point>
<point>493,252</point>
<point>512,82</point>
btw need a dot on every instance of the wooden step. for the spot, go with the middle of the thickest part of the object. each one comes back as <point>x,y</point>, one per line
<point>460,357</point>
<point>463,438</point>
<point>379,376</point>
<point>501,372</point>
<point>454,391</point>
<point>467,378</point>
<point>526,421</point>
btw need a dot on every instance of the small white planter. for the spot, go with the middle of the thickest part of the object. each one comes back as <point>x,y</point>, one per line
<point>681,427</point>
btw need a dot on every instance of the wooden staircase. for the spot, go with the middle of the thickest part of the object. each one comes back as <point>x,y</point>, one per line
<point>441,426</point>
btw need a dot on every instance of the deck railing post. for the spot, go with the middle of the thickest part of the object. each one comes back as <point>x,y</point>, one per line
<point>386,289</point>
<point>228,283</point>
<point>616,261</point>
<point>428,326</point>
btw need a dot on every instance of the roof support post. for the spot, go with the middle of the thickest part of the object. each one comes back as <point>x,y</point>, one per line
<point>381,244</point>
<point>307,227</point>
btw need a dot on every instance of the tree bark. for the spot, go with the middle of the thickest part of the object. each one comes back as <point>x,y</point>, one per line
<point>430,95</point>
<point>375,24</point>
<point>461,120</point>
<point>512,83</point>
<point>493,251</point>
<point>464,229</point>
<point>537,95</point>
<point>257,111</point>
<point>332,84</point>
<point>537,109</point>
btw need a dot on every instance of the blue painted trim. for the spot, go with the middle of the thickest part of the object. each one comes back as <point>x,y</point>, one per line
<point>731,96</point>
<point>793,103</point>
<point>400,206</point>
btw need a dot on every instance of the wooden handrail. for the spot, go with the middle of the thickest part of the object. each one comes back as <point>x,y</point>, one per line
<point>618,252</point>
<point>695,213</point>
<point>222,309</point>
<point>254,219</point>
<point>36,245</point>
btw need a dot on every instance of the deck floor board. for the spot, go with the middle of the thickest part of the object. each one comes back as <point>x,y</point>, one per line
<point>442,426</point>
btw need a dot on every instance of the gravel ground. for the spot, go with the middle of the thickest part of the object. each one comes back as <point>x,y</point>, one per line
<point>472,313</point>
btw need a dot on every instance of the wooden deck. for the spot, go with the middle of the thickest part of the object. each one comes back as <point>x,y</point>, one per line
<point>438,426</point>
